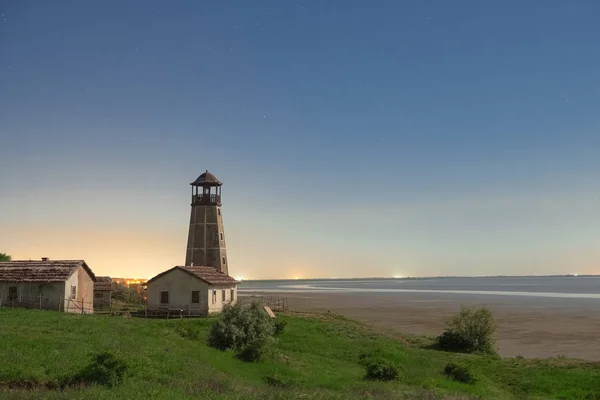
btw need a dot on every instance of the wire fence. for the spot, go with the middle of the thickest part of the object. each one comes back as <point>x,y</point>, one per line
<point>58,303</point>
<point>66,304</point>
<point>115,307</point>
<point>275,303</point>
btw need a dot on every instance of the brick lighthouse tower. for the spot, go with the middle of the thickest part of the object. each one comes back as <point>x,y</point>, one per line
<point>206,239</point>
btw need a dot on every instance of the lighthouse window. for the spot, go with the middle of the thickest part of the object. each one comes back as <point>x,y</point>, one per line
<point>219,211</point>
<point>221,235</point>
<point>224,260</point>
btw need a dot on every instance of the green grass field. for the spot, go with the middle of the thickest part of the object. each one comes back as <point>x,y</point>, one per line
<point>317,357</point>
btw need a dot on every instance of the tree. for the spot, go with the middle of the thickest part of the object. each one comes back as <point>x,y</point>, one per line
<point>5,257</point>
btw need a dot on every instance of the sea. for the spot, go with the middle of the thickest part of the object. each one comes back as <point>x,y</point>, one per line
<point>515,291</point>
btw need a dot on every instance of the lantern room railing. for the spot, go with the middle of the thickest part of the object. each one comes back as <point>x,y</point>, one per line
<point>206,199</point>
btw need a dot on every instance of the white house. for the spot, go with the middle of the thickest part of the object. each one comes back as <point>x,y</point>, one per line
<point>195,290</point>
<point>61,285</point>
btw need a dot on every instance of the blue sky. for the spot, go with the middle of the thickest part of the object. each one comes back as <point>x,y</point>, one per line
<point>354,138</point>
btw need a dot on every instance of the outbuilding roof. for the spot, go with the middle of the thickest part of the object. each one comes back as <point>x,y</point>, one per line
<point>44,271</point>
<point>103,284</point>
<point>208,274</point>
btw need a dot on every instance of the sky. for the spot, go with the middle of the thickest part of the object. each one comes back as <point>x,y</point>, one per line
<point>354,138</point>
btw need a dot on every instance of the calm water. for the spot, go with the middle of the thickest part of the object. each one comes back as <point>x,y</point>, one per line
<point>574,287</point>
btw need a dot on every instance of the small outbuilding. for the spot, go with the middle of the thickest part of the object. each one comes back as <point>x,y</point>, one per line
<point>102,292</point>
<point>61,285</point>
<point>193,290</point>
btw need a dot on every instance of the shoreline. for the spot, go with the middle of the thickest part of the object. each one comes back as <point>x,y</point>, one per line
<point>532,328</point>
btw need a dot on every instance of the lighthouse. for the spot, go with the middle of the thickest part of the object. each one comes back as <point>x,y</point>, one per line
<point>206,237</point>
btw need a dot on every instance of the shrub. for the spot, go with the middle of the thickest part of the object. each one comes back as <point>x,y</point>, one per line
<point>279,327</point>
<point>459,373</point>
<point>381,370</point>
<point>470,331</point>
<point>237,327</point>
<point>253,351</point>
<point>107,368</point>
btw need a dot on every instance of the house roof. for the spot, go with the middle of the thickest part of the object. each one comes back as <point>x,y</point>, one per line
<point>206,179</point>
<point>41,271</point>
<point>103,284</point>
<point>208,274</point>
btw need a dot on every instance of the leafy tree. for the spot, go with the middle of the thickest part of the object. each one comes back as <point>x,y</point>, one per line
<point>127,294</point>
<point>5,257</point>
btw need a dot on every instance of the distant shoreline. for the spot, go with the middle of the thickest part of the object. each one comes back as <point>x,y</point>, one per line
<point>419,277</point>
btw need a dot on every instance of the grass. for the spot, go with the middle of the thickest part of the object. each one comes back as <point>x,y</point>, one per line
<point>316,357</point>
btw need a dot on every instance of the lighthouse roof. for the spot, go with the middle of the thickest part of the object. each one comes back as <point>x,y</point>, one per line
<point>206,179</point>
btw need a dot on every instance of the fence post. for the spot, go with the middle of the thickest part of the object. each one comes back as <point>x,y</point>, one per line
<point>40,301</point>
<point>0,299</point>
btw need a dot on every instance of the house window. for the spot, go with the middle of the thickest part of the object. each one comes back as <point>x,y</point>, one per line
<point>164,297</point>
<point>214,296</point>
<point>221,235</point>
<point>73,292</point>
<point>12,293</point>
<point>223,295</point>
<point>195,297</point>
<point>232,294</point>
<point>224,260</point>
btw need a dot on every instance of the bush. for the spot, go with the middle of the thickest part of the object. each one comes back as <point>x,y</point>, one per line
<point>459,373</point>
<point>279,327</point>
<point>381,370</point>
<point>237,327</point>
<point>254,350</point>
<point>470,331</point>
<point>107,368</point>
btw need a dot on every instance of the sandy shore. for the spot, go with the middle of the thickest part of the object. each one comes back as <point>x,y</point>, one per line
<point>532,328</point>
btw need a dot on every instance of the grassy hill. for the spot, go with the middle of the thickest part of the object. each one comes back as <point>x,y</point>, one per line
<point>317,357</point>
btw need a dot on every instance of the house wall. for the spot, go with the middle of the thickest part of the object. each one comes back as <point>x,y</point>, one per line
<point>102,298</point>
<point>84,296</point>
<point>47,296</point>
<point>217,306</point>
<point>180,285</point>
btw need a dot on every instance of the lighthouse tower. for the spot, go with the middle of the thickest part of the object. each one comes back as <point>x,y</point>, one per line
<point>206,238</point>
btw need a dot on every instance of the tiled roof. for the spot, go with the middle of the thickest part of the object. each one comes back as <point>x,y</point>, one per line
<point>41,271</point>
<point>103,284</point>
<point>208,274</point>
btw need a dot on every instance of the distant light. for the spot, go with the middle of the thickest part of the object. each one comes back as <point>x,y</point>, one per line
<point>398,277</point>
<point>239,278</point>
